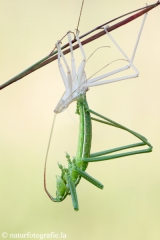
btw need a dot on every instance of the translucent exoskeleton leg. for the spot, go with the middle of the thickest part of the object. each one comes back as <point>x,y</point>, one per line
<point>73,81</point>
<point>94,81</point>
<point>73,64</point>
<point>66,79</point>
<point>80,72</point>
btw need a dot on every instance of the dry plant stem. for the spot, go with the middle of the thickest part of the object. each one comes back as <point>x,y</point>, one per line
<point>51,57</point>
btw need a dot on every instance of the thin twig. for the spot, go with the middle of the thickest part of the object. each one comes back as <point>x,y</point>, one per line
<point>51,57</point>
<point>80,16</point>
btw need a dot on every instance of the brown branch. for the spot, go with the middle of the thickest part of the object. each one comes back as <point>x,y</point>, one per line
<point>52,57</point>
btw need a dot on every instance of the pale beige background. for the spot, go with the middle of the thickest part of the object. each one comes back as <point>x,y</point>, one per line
<point>129,206</point>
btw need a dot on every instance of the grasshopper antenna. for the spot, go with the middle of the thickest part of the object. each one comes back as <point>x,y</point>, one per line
<point>46,158</point>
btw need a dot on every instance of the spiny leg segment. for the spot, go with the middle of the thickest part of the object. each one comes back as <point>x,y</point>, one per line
<point>95,81</point>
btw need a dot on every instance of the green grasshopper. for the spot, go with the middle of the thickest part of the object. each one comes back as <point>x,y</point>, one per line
<point>76,85</point>
<point>70,177</point>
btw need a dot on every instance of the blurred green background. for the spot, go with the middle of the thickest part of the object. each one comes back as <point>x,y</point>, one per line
<point>128,208</point>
